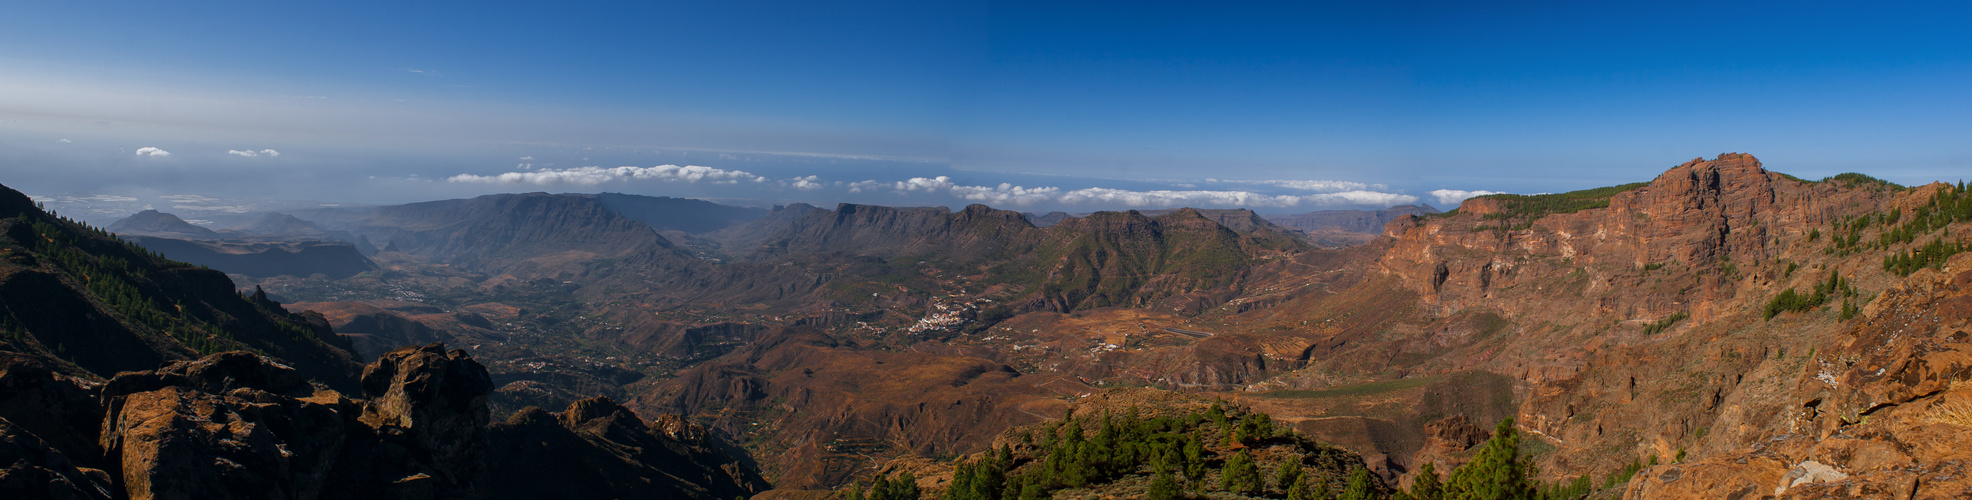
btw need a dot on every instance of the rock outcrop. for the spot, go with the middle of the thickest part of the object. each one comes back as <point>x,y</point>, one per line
<point>241,425</point>
<point>599,449</point>
<point>434,402</point>
<point>1887,415</point>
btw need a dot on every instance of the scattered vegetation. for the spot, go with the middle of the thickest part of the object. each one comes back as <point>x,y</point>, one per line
<point>1666,323</point>
<point>1931,255</point>
<point>1220,452</point>
<point>1791,301</point>
<point>905,487</point>
<point>1521,210</point>
<point>111,280</point>
<point>1948,205</point>
<point>1498,471</point>
<point>1219,449</point>
<point>1852,179</point>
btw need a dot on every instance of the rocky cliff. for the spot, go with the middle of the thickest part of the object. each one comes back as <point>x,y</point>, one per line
<point>1740,320</point>
<point>240,425</point>
<point>1879,411</point>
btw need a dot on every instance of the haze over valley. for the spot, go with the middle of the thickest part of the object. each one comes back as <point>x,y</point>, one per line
<point>985,251</point>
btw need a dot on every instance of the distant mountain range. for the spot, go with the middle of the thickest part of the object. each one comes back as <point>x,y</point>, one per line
<point>1692,336</point>
<point>1327,228</point>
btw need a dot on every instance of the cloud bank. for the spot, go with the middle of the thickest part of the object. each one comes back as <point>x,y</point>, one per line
<point>152,151</point>
<point>592,176</point>
<point>1025,196</point>
<point>1452,197</point>
<point>1315,193</point>
<point>1317,186</point>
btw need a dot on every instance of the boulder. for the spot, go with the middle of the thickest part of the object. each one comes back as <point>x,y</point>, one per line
<point>432,402</point>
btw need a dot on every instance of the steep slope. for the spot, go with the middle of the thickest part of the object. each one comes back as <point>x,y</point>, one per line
<point>160,224</point>
<point>333,259</point>
<point>99,305</point>
<point>1182,259</point>
<point>973,234</point>
<point>599,449</point>
<point>1355,221</point>
<point>535,234</point>
<point>284,227</point>
<point>280,224</point>
<point>680,214</point>
<point>1335,228</point>
<point>824,408</point>
<point>570,238</point>
<point>1642,323</point>
<point>1878,410</point>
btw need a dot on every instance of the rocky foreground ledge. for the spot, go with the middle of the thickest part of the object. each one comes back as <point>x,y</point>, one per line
<point>240,425</point>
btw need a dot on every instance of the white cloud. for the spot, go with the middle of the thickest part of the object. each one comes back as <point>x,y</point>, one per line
<point>1318,186</point>
<point>85,198</point>
<point>1005,193</point>
<point>234,209</point>
<point>528,157</point>
<point>1170,198</point>
<point>860,186</point>
<point>1020,195</point>
<point>152,151</point>
<point>938,183</point>
<point>188,198</point>
<point>1452,197</point>
<point>65,141</point>
<point>591,176</point>
<point>809,183</point>
<point>251,153</point>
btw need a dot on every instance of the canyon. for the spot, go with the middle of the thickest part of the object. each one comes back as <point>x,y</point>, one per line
<point>1720,331</point>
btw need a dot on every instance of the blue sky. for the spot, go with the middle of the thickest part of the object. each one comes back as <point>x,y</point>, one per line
<point>1030,105</point>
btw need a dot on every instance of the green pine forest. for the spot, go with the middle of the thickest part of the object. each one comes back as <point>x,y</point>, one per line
<point>1221,452</point>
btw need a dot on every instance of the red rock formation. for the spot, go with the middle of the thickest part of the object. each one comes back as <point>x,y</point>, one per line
<point>1885,415</point>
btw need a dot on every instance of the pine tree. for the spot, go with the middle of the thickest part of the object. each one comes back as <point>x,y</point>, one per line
<point>1163,487</point>
<point>1496,472</point>
<point>1194,459</point>
<point>1241,475</point>
<point>1360,486</point>
<point>1426,486</point>
<point>1298,490</point>
<point>1033,491</point>
<point>1288,472</point>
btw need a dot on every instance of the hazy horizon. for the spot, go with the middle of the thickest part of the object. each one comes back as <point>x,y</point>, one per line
<point>1023,106</point>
